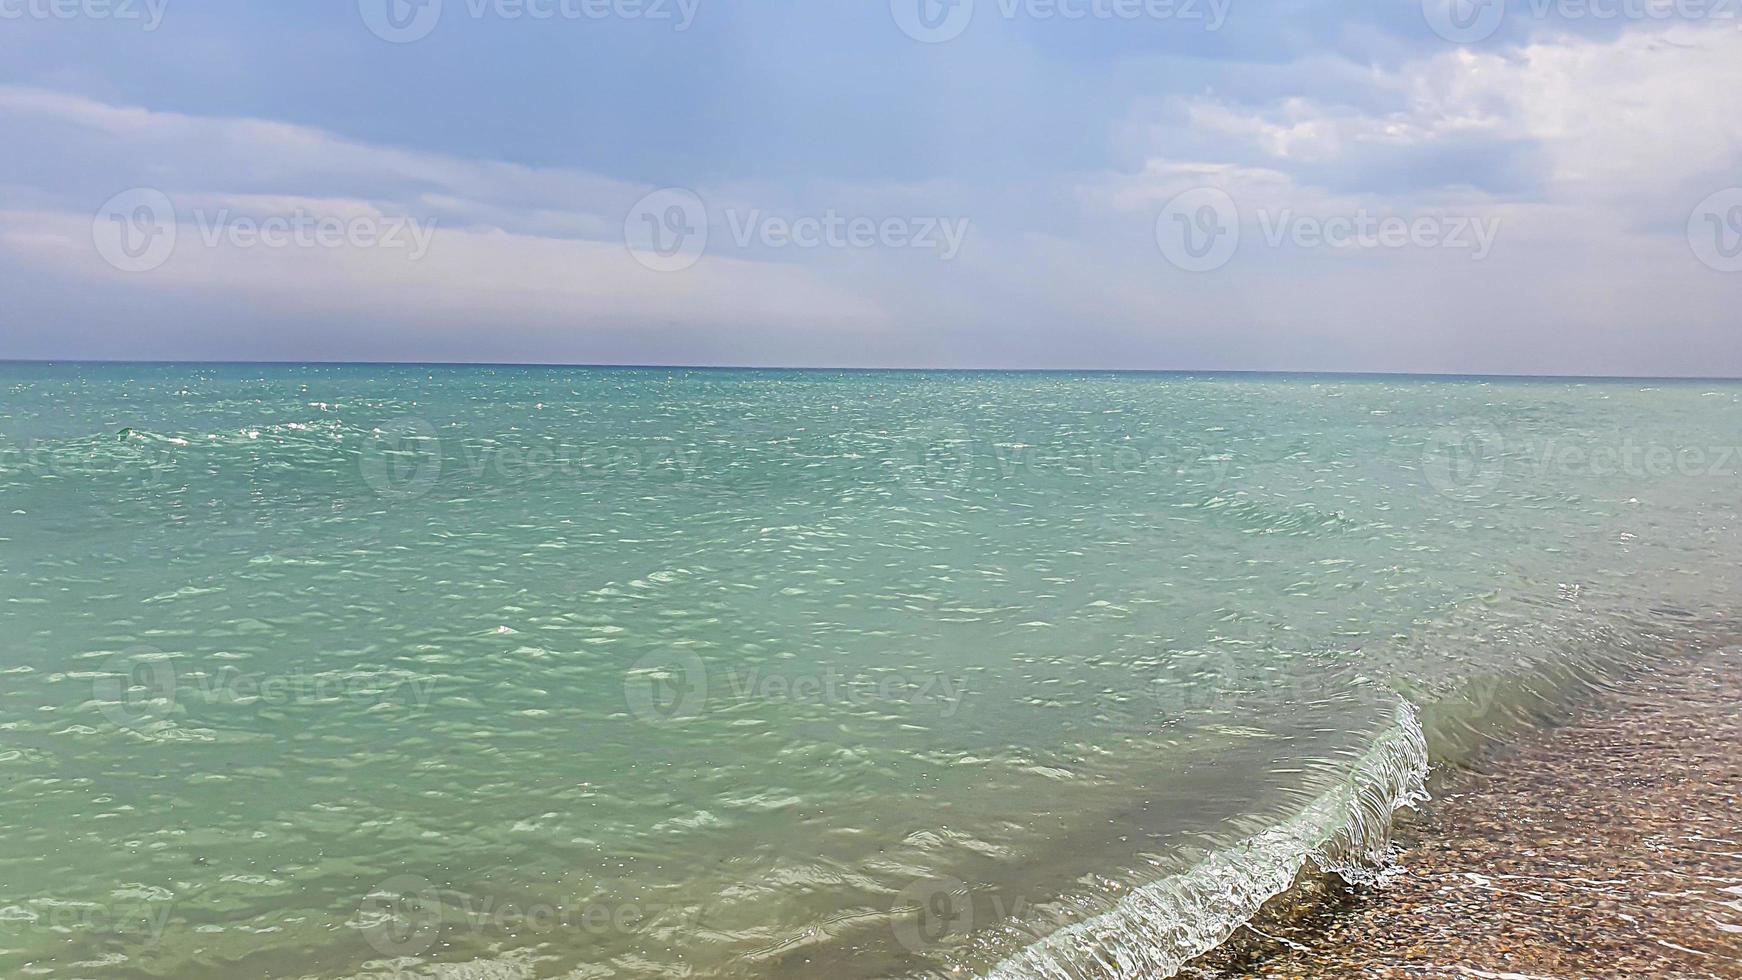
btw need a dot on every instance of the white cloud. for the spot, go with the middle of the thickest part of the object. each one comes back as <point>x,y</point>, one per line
<point>1613,140</point>
<point>474,275</point>
<point>539,247</point>
<point>1650,105</point>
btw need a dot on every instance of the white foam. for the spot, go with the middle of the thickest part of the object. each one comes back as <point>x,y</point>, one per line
<point>1158,928</point>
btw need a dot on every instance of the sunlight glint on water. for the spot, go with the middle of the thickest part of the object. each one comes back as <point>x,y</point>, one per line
<point>333,671</point>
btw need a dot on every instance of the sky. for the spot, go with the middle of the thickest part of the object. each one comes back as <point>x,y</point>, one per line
<point>1443,186</point>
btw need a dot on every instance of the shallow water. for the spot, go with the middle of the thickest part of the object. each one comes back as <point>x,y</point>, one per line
<point>339,671</point>
<point>1605,846</point>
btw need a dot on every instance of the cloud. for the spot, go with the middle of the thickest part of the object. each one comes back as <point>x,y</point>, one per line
<point>1586,155</point>
<point>1613,116</point>
<point>536,247</point>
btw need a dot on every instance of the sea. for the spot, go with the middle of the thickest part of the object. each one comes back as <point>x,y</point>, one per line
<point>498,672</point>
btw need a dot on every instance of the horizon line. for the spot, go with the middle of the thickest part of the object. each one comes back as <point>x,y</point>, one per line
<point>870,370</point>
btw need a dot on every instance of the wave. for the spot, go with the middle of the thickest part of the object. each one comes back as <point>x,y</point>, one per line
<point>128,449</point>
<point>1159,927</point>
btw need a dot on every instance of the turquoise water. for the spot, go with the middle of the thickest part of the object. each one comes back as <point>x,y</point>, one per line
<point>344,671</point>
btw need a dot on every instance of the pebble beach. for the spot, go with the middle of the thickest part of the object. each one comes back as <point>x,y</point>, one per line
<point>1609,847</point>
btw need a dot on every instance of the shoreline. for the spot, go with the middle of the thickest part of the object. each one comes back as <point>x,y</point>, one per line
<point>1608,846</point>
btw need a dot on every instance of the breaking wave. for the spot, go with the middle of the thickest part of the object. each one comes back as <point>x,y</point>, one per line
<point>1158,928</point>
